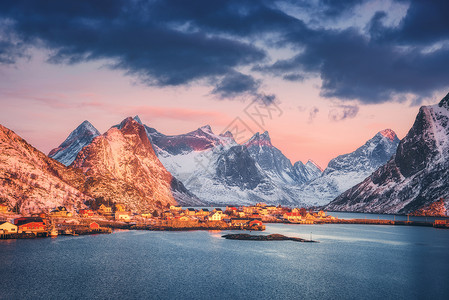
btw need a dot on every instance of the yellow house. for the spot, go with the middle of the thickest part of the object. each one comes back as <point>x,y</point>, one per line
<point>216,216</point>
<point>190,212</point>
<point>293,216</point>
<point>175,208</point>
<point>147,215</point>
<point>60,211</point>
<point>202,212</point>
<point>105,210</point>
<point>7,227</point>
<point>321,214</point>
<point>122,216</point>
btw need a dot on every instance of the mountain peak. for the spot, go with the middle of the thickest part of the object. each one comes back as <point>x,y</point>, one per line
<point>77,139</point>
<point>206,129</point>
<point>137,119</point>
<point>86,125</point>
<point>265,136</point>
<point>127,121</point>
<point>312,163</point>
<point>389,134</point>
<point>444,102</point>
<point>260,139</point>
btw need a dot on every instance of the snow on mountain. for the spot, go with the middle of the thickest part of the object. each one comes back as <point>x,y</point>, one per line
<point>305,173</point>
<point>122,166</point>
<point>271,159</point>
<point>219,171</point>
<point>350,169</point>
<point>32,182</point>
<point>415,177</point>
<point>80,137</point>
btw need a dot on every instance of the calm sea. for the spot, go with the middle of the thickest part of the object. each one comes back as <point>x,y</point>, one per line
<point>350,262</point>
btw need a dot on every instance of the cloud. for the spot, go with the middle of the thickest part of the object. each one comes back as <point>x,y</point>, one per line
<point>127,35</point>
<point>343,112</point>
<point>353,67</point>
<point>234,84</point>
<point>176,42</point>
<point>425,23</point>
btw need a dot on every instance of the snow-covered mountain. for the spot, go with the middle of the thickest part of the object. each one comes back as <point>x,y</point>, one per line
<point>306,172</point>
<point>349,169</point>
<point>219,171</point>
<point>80,137</point>
<point>416,176</point>
<point>33,182</point>
<point>122,166</point>
<point>275,164</point>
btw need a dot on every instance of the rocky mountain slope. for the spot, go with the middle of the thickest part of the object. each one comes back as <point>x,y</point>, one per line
<point>32,182</point>
<point>347,170</point>
<point>121,165</point>
<point>80,137</point>
<point>416,176</point>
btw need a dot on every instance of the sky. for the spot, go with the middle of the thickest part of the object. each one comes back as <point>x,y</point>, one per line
<point>322,76</point>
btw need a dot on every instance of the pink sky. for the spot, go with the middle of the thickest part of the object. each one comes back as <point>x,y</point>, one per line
<point>43,103</point>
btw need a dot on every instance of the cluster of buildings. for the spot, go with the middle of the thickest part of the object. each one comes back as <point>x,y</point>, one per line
<point>240,217</point>
<point>35,225</point>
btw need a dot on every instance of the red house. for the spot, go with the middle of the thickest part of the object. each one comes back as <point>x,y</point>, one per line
<point>32,227</point>
<point>255,223</point>
<point>85,213</point>
<point>94,225</point>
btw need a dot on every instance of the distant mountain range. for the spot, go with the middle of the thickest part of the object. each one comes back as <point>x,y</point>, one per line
<point>219,171</point>
<point>135,164</point>
<point>415,177</point>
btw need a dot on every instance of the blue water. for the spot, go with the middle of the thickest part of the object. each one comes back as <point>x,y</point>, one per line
<point>345,215</point>
<point>350,262</point>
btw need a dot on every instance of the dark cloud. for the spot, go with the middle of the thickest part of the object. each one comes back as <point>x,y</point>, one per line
<point>127,34</point>
<point>336,7</point>
<point>177,42</point>
<point>425,23</point>
<point>343,112</point>
<point>353,65</point>
<point>235,84</point>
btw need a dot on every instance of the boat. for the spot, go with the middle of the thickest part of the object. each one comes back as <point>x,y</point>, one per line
<point>53,232</point>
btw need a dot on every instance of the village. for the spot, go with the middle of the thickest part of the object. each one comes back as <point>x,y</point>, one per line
<point>104,219</point>
<point>61,221</point>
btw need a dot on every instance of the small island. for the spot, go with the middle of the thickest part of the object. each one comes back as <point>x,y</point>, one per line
<point>270,237</point>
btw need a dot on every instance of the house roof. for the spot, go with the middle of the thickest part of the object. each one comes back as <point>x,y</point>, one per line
<point>3,222</point>
<point>25,220</point>
<point>25,224</point>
